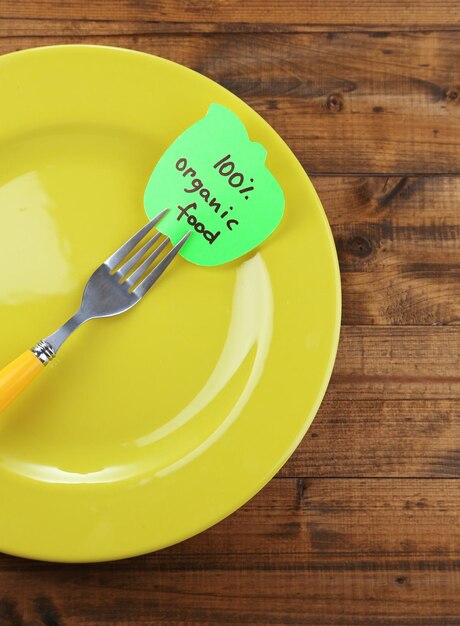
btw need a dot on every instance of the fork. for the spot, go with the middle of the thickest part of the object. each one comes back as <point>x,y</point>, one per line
<point>116,286</point>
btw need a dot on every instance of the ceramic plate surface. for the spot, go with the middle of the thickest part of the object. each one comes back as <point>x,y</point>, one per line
<point>151,426</point>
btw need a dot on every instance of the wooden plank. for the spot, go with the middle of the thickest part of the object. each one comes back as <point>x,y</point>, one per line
<point>344,552</point>
<point>403,363</point>
<point>398,241</point>
<point>235,590</point>
<point>353,517</point>
<point>340,13</point>
<point>239,590</point>
<point>34,28</point>
<point>381,438</point>
<point>345,103</point>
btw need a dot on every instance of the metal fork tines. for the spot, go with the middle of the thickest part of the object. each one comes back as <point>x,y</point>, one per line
<point>119,283</point>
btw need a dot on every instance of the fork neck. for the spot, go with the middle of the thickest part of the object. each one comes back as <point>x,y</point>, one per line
<point>56,340</point>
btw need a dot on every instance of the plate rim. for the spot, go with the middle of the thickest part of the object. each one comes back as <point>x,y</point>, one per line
<point>263,481</point>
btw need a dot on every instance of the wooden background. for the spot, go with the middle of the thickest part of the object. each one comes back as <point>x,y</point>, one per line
<point>361,527</point>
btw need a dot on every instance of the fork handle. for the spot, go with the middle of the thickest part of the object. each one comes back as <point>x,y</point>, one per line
<point>15,377</point>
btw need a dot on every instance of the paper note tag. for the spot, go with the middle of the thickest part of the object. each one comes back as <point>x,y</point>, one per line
<point>214,181</point>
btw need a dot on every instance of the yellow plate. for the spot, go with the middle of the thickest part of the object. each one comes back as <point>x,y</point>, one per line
<point>152,426</point>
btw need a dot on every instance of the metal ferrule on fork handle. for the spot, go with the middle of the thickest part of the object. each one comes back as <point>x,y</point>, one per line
<point>44,352</point>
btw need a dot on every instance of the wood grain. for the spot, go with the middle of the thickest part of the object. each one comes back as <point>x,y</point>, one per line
<point>343,517</point>
<point>392,407</point>
<point>398,241</point>
<point>340,13</point>
<point>381,438</point>
<point>179,591</point>
<point>399,363</point>
<point>34,28</point>
<point>344,102</point>
<point>301,552</point>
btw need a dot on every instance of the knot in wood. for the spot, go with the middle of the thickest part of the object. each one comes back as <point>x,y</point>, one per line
<point>334,102</point>
<point>452,95</point>
<point>359,246</point>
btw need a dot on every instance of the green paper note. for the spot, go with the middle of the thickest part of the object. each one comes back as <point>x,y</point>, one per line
<point>214,181</point>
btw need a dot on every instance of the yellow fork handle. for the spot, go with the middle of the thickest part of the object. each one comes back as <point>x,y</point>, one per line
<point>17,375</point>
